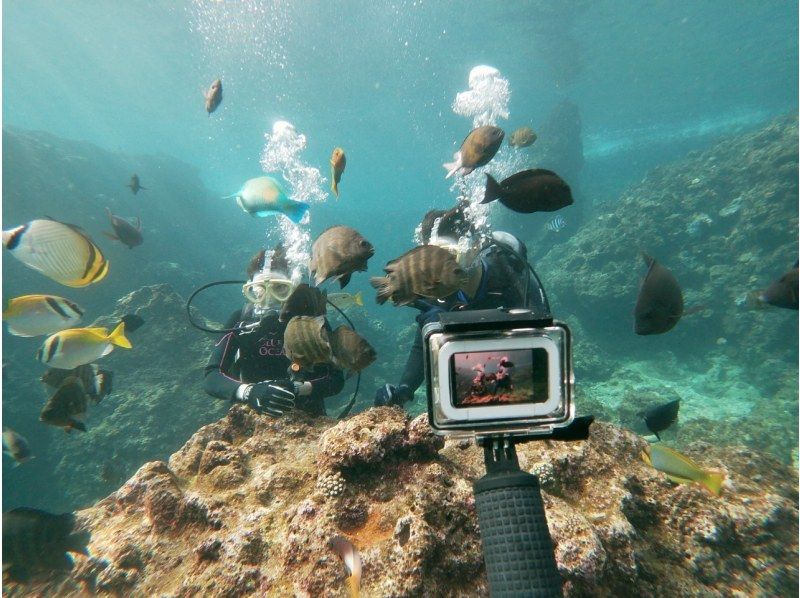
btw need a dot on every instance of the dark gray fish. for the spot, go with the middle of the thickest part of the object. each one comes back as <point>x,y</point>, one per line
<point>337,253</point>
<point>781,293</point>
<point>16,446</point>
<point>305,341</point>
<point>36,541</point>
<point>213,96</point>
<point>96,382</point>
<point>132,322</point>
<point>69,401</point>
<point>124,231</point>
<point>528,191</point>
<point>350,350</point>
<point>134,185</point>
<point>426,271</point>
<point>659,305</point>
<point>477,149</point>
<point>304,301</point>
<point>659,418</point>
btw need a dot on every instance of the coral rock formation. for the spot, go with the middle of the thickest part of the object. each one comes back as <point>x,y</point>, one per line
<point>244,508</point>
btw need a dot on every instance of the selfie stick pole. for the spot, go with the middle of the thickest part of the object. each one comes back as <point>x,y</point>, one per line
<point>517,547</point>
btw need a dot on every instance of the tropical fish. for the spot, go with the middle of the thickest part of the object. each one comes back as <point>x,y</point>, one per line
<point>659,305</point>
<point>213,96</point>
<point>522,137</point>
<point>659,418</point>
<point>338,162</point>
<point>477,149</point>
<point>352,563</point>
<point>781,293</point>
<point>96,382</point>
<point>67,404</point>
<point>134,185</point>
<point>528,191</point>
<point>681,469</point>
<point>264,196</point>
<point>124,231</point>
<point>556,225</point>
<point>350,350</point>
<point>425,271</point>
<point>304,301</point>
<point>345,300</point>
<point>305,341</point>
<point>132,322</point>
<point>62,252</point>
<point>16,446</point>
<point>37,541</point>
<point>337,253</point>
<point>34,315</point>
<point>77,346</point>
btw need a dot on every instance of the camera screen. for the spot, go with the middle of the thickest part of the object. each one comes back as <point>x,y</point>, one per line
<point>493,378</point>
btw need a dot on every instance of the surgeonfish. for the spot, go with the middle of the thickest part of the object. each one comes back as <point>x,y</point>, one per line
<point>477,149</point>
<point>124,231</point>
<point>659,305</point>
<point>557,224</point>
<point>337,253</point>
<point>338,162</point>
<point>34,315</point>
<point>213,96</point>
<point>305,341</point>
<point>132,322</point>
<point>60,251</point>
<point>528,191</point>
<point>350,350</point>
<point>781,293</point>
<point>659,418</point>
<point>16,446</point>
<point>681,469</point>
<point>426,271</point>
<point>96,382</point>
<point>522,137</point>
<point>67,404</point>
<point>37,541</point>
<point>345,300</point>
<point>77,346</point>
<point>352,562</point>
<point>134,185</point>
<point>264,196</point>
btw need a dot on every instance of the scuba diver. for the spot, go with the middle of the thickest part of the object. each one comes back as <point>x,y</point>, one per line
<point>248,364</point>
<point>499,276</point>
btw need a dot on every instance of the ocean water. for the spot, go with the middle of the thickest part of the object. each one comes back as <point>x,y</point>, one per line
<point>96,90</point>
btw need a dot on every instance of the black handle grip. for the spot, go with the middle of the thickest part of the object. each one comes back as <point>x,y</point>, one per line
<point>517,547</point>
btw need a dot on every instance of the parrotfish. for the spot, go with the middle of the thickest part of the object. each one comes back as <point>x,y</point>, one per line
<point>264,196</point>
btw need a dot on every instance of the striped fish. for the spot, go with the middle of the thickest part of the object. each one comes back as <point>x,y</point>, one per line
<point>70,348</point>
<point>305,341</point>
<point>556,225</point>
<point>96,381</point>
<point>60,251</point>
<point>67,406</point>
<point>34,315</point>
<point>350,350</point>
<point>425,271</point>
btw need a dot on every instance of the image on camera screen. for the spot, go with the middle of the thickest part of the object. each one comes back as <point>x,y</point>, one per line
<point>494,378</point>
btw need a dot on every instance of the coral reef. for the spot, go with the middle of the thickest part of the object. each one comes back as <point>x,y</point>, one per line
<point>244,508</point>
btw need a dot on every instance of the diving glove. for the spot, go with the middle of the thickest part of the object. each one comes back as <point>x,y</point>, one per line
<point>389,394</point>
<point>273,397</point>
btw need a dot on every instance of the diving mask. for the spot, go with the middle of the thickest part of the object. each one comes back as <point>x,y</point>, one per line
<point>261,289</point>
<point>462,249</point>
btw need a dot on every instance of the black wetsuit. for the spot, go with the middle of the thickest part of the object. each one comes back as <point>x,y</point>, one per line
<point>502,285</point>
<point>256,354</point>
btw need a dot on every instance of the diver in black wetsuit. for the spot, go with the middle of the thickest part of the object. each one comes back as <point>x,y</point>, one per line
<point>499,277</point>
<point>249,365</point>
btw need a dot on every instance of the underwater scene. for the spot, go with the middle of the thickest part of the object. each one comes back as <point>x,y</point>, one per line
<point>238,237</point>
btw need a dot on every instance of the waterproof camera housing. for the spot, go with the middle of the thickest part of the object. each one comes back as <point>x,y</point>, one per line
<point>498,373</point>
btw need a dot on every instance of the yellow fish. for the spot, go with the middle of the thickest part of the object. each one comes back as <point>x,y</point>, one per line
<point>34,315</point>
<point>345,300</point>
<point>78,346</point>
<point>338,162</point>
<point>681,469</point>
<point>352,562</point>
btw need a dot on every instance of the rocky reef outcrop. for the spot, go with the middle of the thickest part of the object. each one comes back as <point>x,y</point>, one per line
<point>248,505</point>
